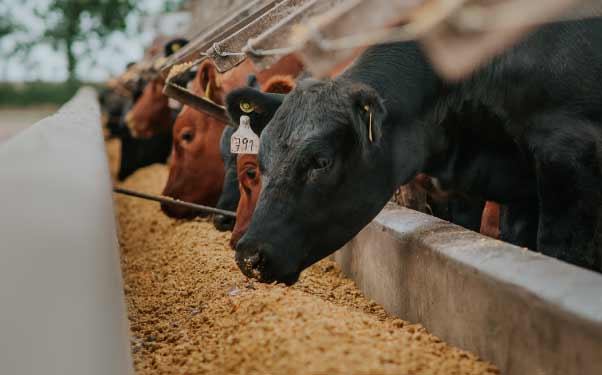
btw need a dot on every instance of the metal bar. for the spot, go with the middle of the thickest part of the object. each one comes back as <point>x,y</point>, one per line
<point>228,26</point>
<point>198,207</point>
<point>318,35</point>
<point>199,103</point>
<point>226,53</point>
<point>273,43</point>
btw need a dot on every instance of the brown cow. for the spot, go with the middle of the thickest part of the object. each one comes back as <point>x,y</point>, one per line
<point>196,172</point>
<point>249,183</point>
<point>151,114</point>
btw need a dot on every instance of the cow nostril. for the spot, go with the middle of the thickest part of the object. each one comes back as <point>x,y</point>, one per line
<point>250,260</point>
<point>253,261</point>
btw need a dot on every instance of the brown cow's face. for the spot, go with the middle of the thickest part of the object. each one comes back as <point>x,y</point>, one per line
<point>196,171</point>
<point>249,183</point>
<point>151,114</point>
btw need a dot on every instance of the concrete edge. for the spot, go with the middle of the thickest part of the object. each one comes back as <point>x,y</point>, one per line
<point>525,312</point>
<point>63,306</point>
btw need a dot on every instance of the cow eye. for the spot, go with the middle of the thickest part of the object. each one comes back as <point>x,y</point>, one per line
<point>187,136</point>
<point>322,163</point>
<point>319,167</point>
<point>251,173</point>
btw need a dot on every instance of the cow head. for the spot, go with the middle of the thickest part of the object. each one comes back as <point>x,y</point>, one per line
<point>229,199</point>
<point>196,172</point>
<point>151,114</point>
<point>327,165</point>
<point>247,180</point>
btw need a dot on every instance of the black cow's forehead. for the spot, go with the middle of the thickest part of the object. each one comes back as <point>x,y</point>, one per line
<point>315,112</point>
<point>314,107</point>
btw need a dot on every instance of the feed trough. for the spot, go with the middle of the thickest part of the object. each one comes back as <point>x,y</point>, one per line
<point>63,309</point>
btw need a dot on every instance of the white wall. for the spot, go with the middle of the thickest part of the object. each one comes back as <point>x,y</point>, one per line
<point>62,308</point>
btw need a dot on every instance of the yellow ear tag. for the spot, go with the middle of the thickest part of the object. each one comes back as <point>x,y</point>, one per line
<point>175,47</point>
<point>367,109</point>
<point>208,91</point>
<point>246,107</point>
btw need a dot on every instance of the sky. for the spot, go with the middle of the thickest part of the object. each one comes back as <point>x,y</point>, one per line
<point>46,64</point>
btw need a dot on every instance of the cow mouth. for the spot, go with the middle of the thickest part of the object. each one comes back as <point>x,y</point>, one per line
<point>255,267</point>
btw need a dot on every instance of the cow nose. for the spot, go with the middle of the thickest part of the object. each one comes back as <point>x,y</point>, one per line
<point>223,223</point>
<point>176,212</point>
<point>249,259</point>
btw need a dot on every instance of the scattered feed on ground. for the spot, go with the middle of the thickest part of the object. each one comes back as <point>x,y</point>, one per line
<point>192,311</point>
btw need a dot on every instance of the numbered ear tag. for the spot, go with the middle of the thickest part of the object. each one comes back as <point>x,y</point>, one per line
<point>244,140</point>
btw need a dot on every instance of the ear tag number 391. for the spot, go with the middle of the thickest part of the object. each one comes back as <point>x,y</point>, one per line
<point>244,140</point>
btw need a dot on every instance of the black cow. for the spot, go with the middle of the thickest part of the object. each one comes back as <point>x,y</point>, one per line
<point>140,153</point>
<point>336,150</point>
<point>113,105</point>
<point>135,153</point>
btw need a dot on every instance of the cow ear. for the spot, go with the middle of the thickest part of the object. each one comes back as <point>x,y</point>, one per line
<point>370,114</point>
<point>208,80</point>
<point>280,84</point>
<point>259,106</point>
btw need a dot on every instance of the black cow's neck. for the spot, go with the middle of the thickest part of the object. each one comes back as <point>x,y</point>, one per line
<point>400,74</point>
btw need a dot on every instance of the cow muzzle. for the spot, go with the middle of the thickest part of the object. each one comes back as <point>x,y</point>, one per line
<point>135,128</point>
<point>255,261</point>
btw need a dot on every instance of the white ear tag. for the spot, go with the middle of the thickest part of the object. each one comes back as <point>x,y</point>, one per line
<point>174,104</point>
<point>244,140</point>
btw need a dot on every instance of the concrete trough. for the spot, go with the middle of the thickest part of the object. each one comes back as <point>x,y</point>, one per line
<point>523,311</point>
<point>63,308</point>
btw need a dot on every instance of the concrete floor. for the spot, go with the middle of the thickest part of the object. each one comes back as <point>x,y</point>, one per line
<point>13,120</point>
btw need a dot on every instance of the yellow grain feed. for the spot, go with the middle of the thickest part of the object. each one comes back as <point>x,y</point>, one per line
<point>191,310</point>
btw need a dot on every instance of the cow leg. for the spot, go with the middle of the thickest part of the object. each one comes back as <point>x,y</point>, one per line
<point>518,224</point>
<point>567,154</point>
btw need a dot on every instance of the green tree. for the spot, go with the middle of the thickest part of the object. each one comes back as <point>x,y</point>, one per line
<point>7,25</point>
<point>71,21</point>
